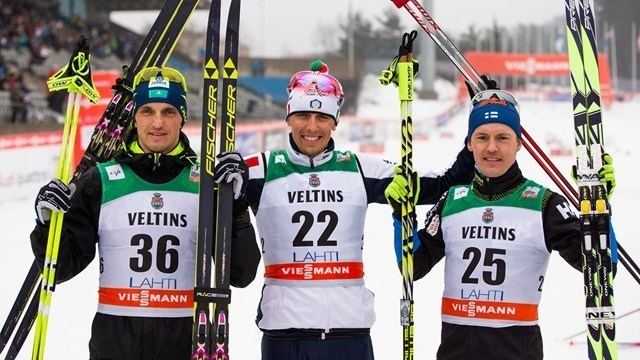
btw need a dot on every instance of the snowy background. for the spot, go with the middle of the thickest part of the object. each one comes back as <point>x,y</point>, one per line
<point>562,306</point>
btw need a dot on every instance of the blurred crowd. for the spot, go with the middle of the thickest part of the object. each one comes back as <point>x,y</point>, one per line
<point>36,28</point>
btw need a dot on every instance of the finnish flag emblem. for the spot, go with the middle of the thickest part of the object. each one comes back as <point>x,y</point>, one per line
<point>491,115</point>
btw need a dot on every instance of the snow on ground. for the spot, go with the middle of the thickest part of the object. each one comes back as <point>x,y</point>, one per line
<point>562,306</point>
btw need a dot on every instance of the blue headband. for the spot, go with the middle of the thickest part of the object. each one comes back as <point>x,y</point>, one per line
<point>489,112</point>
<point>161,91</point>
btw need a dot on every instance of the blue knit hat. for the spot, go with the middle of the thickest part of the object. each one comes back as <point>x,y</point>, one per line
<point>494,110</point>
<point>162,90</point>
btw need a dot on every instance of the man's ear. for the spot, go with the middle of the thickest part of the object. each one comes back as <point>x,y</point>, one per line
<point>468,144</point>
<point>519,145</point>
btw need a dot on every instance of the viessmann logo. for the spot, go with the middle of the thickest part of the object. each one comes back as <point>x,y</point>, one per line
<point>531,66</point>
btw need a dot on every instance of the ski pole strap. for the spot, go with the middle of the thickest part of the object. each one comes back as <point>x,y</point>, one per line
<point>76,75</point>
<point>406,47</point>
<point>212,295</point>
<point>391,74</point>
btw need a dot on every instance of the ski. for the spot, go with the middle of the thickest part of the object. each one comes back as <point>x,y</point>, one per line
<point>602,208</point>
<point>594,207</point>
<point>22,332</point>
<point>115,123</point>
<point>211,326</point>
<point>222,250</point>
<point>431,28</point>
<point>29,284</point>
<point>108,135</point>
<point>203,293</point>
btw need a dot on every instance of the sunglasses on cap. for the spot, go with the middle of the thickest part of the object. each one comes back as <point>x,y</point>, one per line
<point>498,97</point>
<point>325,84</point>
<point>165,73</point>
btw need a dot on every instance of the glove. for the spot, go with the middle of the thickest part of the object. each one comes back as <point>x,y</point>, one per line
<point>398,190</point>
<point>606,174</point>
<point>231,168</point>
<point>489,82</point>
<point>55,196</point>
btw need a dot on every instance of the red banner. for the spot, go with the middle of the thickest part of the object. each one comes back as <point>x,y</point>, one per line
<point>533,65</point>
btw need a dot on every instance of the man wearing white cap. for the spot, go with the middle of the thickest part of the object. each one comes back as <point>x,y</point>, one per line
<point>310,202</point>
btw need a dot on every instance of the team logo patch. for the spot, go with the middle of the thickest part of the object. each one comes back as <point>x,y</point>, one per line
<point>343,157</point>
<point>531,192</point>
<point>460,193</point>
<point>315,104</point>
<point>156,201</point>
<point>115,172</point>
<point>279,159</point>
<point>434,223</point>
<point>314,180</point>
<point>194,175</point>
<point>159,82</point>
<point>487,216</point>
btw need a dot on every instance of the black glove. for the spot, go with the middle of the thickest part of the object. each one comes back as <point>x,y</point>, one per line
<point>489,82</point>
<point>55,196</point>
<point>232,168</point>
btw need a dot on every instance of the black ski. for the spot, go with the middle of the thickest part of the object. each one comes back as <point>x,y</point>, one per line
<point>19,304</point>
<point>22,332</point>
<point>203,293</point>
<point>211,329</point>
<point>222,251</point>
<point>594,207</point>
<point>106,139</point>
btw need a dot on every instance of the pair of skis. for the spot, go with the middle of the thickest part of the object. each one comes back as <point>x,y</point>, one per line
<point>211,313</point>
<point>107,138</point>
<point>594,205</point>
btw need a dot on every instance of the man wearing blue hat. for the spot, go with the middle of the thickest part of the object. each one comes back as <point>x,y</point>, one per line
<point>141,210</point>
<point>496,236</point>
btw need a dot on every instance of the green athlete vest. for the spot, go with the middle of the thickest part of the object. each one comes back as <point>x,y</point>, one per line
<point>147,240</point>
<point>495,257</point>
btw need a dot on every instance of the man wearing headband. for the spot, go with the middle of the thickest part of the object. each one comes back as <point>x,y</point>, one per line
<point>310,202</point>
<point>141,210</point>
<point>496,236</point>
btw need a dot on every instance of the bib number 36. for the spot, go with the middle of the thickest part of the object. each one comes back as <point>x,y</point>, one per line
<point>166,258</point>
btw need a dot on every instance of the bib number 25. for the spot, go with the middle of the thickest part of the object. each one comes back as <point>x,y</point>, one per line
<point>496,268</point>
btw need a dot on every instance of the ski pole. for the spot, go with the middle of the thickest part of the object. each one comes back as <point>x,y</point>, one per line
<point>401,73</point>
<point>75,77</point>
